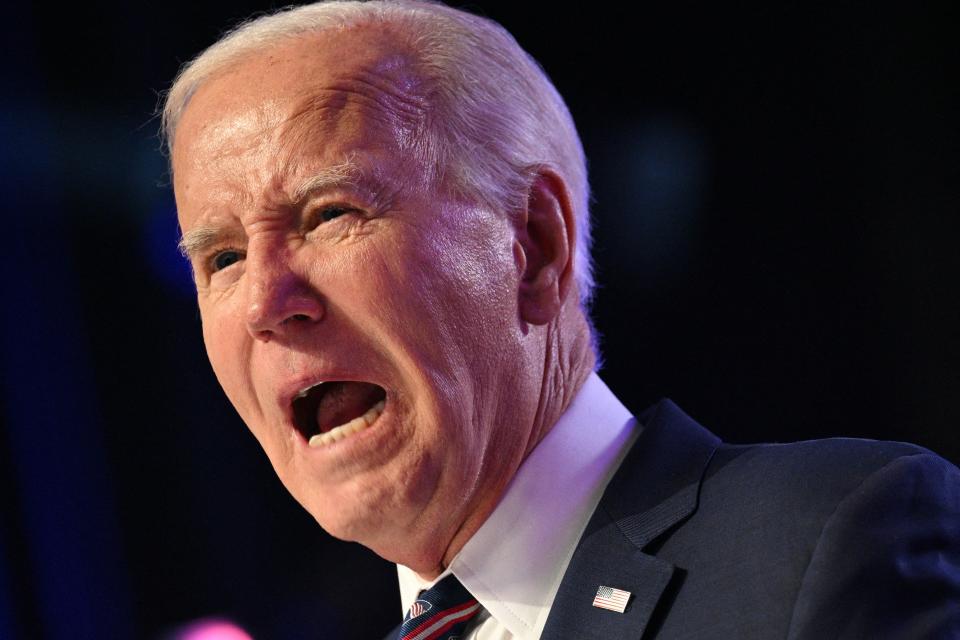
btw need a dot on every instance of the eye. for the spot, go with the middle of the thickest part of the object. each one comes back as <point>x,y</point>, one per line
<point>333,211</point>
<point>226,258</point>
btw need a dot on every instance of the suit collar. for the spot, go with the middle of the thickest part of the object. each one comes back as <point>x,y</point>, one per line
<point>656,487</point>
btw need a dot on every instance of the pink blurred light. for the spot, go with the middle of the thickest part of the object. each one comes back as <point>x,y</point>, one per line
<point>213,630</point>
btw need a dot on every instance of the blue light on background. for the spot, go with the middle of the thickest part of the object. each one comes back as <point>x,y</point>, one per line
<point>160,234</point>
<point>660,168</point>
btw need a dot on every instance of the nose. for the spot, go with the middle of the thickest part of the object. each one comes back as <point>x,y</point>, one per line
<point>279,300</point>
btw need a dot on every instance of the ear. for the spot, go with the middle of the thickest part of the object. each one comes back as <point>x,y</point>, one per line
<point>545,238</point>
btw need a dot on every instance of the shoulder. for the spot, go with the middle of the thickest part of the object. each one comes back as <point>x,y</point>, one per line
<point>887,557</point>
<point>762,488</point>
<point>815,472</point>
<point>788,497</point>
<point>820,536</point>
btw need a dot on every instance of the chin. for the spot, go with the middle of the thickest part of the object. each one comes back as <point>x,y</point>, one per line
<point>397,533</point>
<point>344,517</point>
<point>370,531</point>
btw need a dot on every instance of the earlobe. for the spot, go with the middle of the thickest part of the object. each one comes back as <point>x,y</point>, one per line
<point>546,235</point>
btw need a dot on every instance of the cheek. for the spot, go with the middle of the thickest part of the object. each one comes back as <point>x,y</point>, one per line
<point>479,288</point>
<point>224,341</point>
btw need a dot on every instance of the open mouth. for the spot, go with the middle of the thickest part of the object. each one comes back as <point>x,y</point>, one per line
<point>331,411</point>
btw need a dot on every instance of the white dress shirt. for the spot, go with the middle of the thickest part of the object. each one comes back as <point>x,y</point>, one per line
<point>514,563</point>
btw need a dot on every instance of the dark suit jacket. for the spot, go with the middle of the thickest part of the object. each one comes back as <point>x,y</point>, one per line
<point>834,538</point>
<point>825,539</point>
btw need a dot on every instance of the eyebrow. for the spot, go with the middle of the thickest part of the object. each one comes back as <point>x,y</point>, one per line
<point>198,240</point>
<point>347,173</point>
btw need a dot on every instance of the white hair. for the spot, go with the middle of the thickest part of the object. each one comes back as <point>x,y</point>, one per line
<point>499,120</point>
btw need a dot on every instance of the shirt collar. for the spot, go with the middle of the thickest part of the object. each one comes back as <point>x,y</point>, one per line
<point>514,563</point>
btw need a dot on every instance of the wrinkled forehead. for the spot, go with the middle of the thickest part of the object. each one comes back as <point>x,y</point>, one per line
<point>358,88</point>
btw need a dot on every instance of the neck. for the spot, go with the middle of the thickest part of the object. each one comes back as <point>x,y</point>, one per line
<point>568,361</point>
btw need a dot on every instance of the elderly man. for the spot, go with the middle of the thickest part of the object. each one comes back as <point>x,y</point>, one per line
<point>385,207</point>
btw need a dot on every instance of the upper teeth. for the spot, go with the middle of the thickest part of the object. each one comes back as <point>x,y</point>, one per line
<point>357,424</point>
<point>303,393</point>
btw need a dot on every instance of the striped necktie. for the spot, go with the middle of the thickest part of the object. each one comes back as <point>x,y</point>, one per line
<point>440,612</point>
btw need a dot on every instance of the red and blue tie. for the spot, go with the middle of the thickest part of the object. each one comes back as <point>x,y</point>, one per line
<point>440,612</point>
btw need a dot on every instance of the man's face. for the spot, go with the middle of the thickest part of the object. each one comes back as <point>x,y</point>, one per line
<point>324,253</point>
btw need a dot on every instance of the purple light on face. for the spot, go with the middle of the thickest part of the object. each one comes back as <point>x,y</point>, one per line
<point>212,630</point>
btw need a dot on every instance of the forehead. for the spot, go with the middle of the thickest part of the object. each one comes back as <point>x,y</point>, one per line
<point>309,100</point>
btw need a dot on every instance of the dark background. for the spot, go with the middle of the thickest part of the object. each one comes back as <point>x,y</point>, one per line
<point>776,192</point>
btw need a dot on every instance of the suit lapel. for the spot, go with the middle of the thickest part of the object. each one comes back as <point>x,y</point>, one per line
<point>656,487</point>
<point>605,557</point>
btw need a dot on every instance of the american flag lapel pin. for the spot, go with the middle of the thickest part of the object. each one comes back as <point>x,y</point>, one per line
<point>612,599</point>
